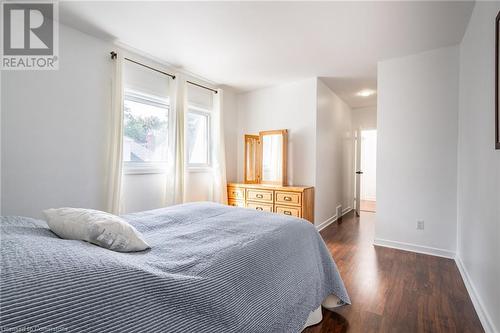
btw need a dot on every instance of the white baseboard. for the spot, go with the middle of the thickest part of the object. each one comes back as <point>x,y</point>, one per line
<point>414,248</point>
<point>326,223</point>
<point>346,210</point>
<point>332,219</point>
<point>485,319</point>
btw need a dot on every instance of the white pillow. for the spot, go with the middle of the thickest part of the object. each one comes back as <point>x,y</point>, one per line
<point>96,227</point>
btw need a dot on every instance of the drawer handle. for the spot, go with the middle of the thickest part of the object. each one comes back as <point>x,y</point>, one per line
<point>259,208</point>
<point>287,212</point>
<point>259,196</point>
<point>287,198</point>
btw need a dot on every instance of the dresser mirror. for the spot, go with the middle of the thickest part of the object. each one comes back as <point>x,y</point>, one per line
<point>266,158</point>
<point>252,159</point>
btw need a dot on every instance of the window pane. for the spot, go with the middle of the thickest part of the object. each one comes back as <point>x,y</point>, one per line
<point>145,131</point>
<point>197,138</point>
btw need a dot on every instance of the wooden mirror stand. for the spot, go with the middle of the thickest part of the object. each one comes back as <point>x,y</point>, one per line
<point>266,158</point>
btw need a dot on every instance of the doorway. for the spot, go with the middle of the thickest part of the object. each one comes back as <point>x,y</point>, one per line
<point>366,170</point>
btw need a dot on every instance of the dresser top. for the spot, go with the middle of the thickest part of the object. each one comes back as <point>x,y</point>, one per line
<point>296,188</point>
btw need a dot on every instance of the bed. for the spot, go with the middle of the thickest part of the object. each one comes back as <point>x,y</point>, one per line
<point>211,268</point>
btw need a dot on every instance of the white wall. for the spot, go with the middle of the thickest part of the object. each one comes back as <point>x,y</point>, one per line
<point>364,118</point>
<point>198,185</point>
<point>479,167</point>
<point>320,141</point>
<point>417,124</point>
<point>143,192</point>
<point>231,133</point>
<point>54,129</point>
<point>334,171</point>
<point>290,106</point>
<point>54,134</point>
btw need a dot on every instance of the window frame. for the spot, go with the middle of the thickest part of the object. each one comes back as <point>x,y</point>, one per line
<point>200,167</point>
<point>154,167</point>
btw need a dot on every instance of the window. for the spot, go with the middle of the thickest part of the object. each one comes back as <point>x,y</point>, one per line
<point>198,137</point>
<point>145,131</point>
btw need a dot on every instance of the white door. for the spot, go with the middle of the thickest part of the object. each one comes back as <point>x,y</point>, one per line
<point>369,164</point>
<point>357,170</point>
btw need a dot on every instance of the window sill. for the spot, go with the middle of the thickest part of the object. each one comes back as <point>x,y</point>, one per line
<point>204,169</point>
<point>144,169</point>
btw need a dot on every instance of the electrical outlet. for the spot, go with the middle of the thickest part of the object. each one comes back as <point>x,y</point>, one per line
<point>420,225</point>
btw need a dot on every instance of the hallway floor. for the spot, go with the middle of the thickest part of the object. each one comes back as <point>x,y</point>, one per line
<point>368,206</point>
<point>393,290</point>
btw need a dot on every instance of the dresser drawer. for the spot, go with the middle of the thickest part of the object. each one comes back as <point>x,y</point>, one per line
<point>260,195</point>
<point>288,198</point>
<point>236,203</point>
<point>290,211</point>
<point>236,193</point>
<point>260,206</point>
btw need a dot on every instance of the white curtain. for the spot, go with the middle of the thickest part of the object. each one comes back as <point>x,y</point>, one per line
<point>175,193</point>
<point>178,188</point>
<point>116,139</point>
<point>219,191</point>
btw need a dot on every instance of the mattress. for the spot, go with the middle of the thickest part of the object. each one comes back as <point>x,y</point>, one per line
<point>211,268</point>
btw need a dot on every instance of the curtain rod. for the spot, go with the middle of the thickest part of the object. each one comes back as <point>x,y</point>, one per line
<point>114,54</point>
<point>199,85</point>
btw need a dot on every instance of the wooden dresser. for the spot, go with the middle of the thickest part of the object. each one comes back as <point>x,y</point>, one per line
<point>289,200</point>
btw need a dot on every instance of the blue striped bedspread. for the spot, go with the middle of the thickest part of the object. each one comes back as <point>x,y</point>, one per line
<point>211,268</point>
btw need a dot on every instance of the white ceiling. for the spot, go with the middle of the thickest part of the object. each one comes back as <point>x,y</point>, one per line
<point>249,45</point>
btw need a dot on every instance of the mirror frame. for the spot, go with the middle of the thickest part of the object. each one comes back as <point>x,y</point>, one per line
<point>284,156</point>
<point>258,161</point>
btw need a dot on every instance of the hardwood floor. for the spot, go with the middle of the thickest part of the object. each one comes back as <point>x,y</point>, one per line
<point>368,206</point>
<point>393,290</point>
